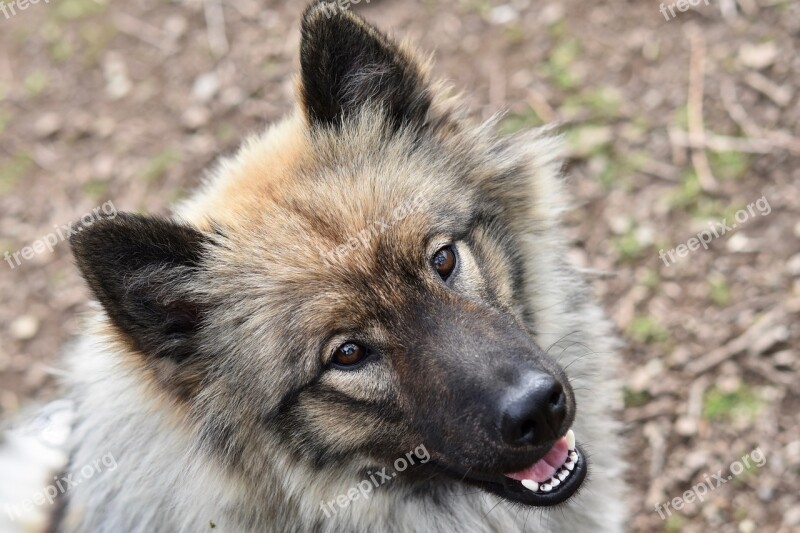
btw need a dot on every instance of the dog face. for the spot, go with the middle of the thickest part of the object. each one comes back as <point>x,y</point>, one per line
<point>350,287</point>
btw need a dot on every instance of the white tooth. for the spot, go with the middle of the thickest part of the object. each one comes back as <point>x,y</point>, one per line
<point>563,475</point>
<point>530,485</point>
<point>555,482</point>
<point>573,456</point>
<point>546,487</point>
<point>570,465</point>
<point>570,439</point>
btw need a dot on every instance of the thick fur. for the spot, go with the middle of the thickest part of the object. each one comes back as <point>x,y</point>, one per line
<point>205,373</point>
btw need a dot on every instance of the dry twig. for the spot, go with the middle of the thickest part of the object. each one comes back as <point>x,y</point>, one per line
<point>780,94</point>
<point>779,139</point>
<point>215,25</point>
<point>539,104</point>
<point>722,143</point>
<point>144,32</point>
<point>739,345</point>
<point>695,111</point>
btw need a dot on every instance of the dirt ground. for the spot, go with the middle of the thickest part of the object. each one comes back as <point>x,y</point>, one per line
<point>673,127</point>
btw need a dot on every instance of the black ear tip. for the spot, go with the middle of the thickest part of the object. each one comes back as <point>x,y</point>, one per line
<point>325,21</point>
<point>320,10</point>
<point>347,65</point>
<point>137,237</point>
<point>84,233</point>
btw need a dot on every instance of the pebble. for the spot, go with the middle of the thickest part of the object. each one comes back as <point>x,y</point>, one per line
<point>104,126</point>
<point>620,224</point>
<point>195,117</point>
<point>785,358</point>
<point>205,87</point>
<point>47,125</point>
<point>118,84</point>
<point>686,426</point>
<point>25,327</point>
<point>765,494</point>
<point>552,13</point>
<point>758,56</point>
<point>747,526</point>
<point>503,14</point>
<point>176,26</point>
<point>645,235</point>
<point>793,266</point>
<point>791,516</point>
<point>104,165</point>
<point>641,378</point>
<point>739,243</point>
<point>232,96</point>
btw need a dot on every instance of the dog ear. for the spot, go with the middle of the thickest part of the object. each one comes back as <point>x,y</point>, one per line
<point>142,271</point>
<point>347,64</point>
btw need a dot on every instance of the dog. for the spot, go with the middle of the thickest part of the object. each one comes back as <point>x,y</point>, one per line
<point>364,320</point>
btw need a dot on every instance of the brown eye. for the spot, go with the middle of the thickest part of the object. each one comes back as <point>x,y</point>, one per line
<point>444,261</point>
<point>349,354</point>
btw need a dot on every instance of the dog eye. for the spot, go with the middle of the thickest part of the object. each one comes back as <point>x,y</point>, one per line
<point>444,261</point>
<point>349,354</point>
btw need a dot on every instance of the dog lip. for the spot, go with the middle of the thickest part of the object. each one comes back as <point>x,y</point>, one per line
<point>515,491</point>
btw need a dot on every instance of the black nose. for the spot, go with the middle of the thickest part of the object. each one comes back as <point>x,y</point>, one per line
<point>532,413</point>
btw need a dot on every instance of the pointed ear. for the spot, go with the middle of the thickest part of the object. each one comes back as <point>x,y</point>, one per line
<point>142,270</point>
<point>347,64</point>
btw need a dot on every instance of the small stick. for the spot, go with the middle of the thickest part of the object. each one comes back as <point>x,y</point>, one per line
<point>215,25</point>
<point>779,94</point>
<point>146,33</point>
<point>695,111</point>
<point>723,143</point>
<point>540,106</point>
<point>736,346</point>
<point>781,139</point>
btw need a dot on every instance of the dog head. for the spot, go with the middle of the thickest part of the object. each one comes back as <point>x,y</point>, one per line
<point>352,285</point>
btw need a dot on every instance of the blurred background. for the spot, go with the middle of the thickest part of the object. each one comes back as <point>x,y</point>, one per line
<point>675,121</point>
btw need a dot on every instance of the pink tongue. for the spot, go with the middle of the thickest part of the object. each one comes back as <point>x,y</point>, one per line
<point>544,468</point>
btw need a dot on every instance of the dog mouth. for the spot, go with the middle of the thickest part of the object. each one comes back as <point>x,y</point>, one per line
<point>550,480</point>
<point>553,478</point>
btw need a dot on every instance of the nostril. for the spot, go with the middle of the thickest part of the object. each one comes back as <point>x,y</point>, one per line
<point>557,397</point>
<point>527,431</point>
